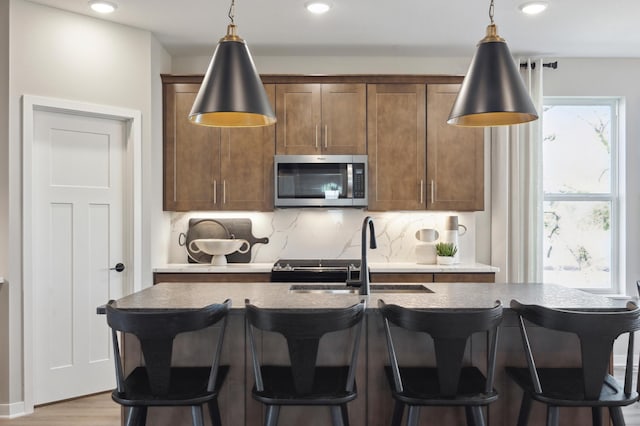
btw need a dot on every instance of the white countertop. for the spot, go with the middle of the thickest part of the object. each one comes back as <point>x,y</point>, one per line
<point>203,268</point>
<point>391,267</point>
<point>407,267</point>
<point>1,280</point>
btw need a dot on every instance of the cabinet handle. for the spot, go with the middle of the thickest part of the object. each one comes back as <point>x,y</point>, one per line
<point>224,192</point>
<point>316,136</point>
<point>215,192</point>
<point>421,191</point>
<point>433,191</point>
<point>326,130</point>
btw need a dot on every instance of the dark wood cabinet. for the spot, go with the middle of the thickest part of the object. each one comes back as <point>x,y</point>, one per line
<point>437,277</point>
<point>396,145</point>
<point>319,118</point>
<point>455,156</point>
<point>416,160</point>
<point>195,277</point>
<point>208,168</point>
<point>376,277</point>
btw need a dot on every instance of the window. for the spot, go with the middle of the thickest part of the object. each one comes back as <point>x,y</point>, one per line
<point>580,185</point>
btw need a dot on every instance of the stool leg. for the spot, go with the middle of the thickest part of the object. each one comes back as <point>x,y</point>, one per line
<point>345,414</point>
<point>214,413</point>
<point>136,416</point>
<point>337,417</point>
<point>553,415</point>
<point>525,409</point>
<point>413,416</point>
<point>596,416</point>
<point>398,411</point>
<point>616,416</point>
<point>196,415</point>
<point>468,416</point>
<point>475,417</point>
<point>271,418</point>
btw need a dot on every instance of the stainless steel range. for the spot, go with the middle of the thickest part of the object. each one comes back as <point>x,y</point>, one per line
<point>315,270</point>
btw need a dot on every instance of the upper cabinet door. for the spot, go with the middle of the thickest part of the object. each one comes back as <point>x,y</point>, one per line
<point>246,166</point>
<point>344,119</point>
<point>298,111</point>
<point>455,156</point>
<point>321,119</point>
<point>396,145</point>
<point>191,154</point>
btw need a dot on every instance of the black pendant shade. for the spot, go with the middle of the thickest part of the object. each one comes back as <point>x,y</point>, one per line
<point>232,93</point>
<point>492,93</point>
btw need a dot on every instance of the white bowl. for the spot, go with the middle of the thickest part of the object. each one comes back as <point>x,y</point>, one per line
<point>218,248</point>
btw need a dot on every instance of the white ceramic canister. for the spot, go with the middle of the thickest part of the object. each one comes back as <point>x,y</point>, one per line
<point>426,253</point>
<point>426,246</point>
<point>453,230</point>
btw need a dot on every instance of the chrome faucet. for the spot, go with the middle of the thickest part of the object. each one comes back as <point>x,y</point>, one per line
<point>363,282</point>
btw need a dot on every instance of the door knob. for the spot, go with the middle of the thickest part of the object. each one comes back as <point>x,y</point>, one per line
<point>118,268</point>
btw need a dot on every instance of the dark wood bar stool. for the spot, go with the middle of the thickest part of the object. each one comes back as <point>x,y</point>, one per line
<point>157,383</point>
<point>449,383</point>
<point>588,385</point>
<point>302,382</point>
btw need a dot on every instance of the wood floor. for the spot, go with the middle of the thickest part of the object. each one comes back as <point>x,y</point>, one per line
<point>100,410</point>
<point>95,410</point>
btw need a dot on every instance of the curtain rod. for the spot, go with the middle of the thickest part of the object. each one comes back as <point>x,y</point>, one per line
<point>552,65</point>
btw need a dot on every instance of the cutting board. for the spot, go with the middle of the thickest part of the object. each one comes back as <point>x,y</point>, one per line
<point>236,228</point>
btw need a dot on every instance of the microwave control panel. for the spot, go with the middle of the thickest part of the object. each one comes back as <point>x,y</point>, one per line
<point>358,180</point>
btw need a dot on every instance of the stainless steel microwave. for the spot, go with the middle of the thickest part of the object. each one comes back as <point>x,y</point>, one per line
<point>320,180</point>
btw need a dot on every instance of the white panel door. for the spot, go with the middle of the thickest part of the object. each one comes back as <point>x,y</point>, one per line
<point>78,234</point>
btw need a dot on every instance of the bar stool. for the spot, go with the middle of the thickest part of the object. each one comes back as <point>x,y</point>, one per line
<point>588,385</point>
<point>157,383</point>
<point>302,382</point>
<point>449,383</point>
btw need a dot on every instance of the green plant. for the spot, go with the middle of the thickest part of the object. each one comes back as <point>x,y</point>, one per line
<point>446,249</point>
<point>332,186</point>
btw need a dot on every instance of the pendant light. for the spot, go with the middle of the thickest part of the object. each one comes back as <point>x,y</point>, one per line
<point>492,93</point>
<point>232,94</point>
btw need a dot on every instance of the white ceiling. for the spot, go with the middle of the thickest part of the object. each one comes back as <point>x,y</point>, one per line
<point>568,28</point>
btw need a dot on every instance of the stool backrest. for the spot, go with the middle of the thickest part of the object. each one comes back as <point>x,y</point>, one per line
<point>302,329</point>
<point>596,331</point>
<point>450,330</point>
<point>156,329</point>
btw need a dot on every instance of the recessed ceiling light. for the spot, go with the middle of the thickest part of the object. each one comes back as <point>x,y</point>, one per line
<point>318,7</point>
<point>102,6</point>
<point>534,7</point>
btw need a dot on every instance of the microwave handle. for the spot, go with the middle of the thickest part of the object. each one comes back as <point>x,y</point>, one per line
<point>349,180</point>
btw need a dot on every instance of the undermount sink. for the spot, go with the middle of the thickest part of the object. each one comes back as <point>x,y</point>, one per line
<point>344,289</point>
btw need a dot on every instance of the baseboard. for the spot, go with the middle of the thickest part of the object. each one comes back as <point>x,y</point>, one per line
<point>9,411</point>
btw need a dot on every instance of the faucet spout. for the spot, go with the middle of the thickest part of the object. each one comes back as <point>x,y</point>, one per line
<point>365,287</point>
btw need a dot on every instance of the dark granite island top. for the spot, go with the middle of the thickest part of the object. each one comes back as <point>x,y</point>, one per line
<point>445,295</point>
<point>373,405</point>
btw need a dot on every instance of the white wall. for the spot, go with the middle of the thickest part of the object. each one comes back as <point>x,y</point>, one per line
<point>156,223</point>
<point>4,195</point>
<point>335,64</point>
<point>64,55</point>
<point>611,77</point>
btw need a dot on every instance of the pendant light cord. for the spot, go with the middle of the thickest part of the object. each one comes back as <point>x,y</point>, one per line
<point>491,12</point>
<point>232,11</point>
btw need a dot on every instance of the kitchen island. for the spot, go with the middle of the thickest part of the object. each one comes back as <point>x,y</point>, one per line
<point>374,403</point>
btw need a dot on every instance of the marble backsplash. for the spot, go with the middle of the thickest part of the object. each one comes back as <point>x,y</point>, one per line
<point>331,233</point>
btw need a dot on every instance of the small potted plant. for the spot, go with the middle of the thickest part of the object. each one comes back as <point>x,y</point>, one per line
<point>445,253</point>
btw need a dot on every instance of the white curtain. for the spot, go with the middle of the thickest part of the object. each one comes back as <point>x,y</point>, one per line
<point>516,191</point>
